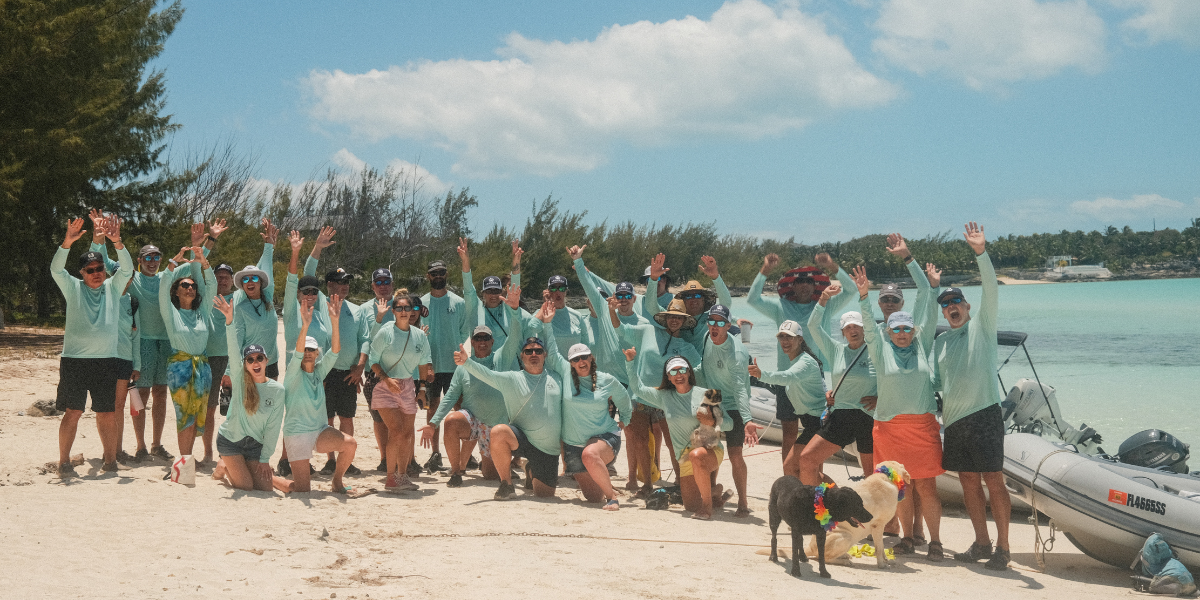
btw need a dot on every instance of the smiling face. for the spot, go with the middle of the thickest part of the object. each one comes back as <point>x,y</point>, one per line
<point>674,323</point>
<point>693,305</point>
<point>624,303</point>
<point>582,365</point>
<point>382,287</point>
<point>150,263</point>
<point>340,289</point>
<point>790,344</point>
<point>186,292</point>
<point>93,274</point>
<point>308,297</point>
<point>252,285</point>
<point>492,298</point>
<point>902,338</point>
<point>889,305</point>
<point>678,377</point>
<point>558,296</point>
<point>256,367</point>
<point>482,343</point>
<point>310,359</point>
<point>224,282</point>
<point>802,291</point>
<point>956,314</point>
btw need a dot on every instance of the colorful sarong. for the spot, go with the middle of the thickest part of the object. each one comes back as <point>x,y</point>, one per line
<point>189,379</point>
<point>914,441</point>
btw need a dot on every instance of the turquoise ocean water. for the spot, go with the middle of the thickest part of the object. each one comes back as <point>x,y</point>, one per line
<point>1123,356</point>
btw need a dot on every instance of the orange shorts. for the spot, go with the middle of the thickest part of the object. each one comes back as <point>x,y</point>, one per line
<point>914,441</point>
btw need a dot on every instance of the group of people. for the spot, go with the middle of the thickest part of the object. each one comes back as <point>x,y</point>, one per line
<point>652,369</point>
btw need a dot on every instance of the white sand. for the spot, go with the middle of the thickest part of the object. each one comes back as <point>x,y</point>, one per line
<point>130,534</point>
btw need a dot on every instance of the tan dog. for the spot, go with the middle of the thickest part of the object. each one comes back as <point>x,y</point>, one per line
<point>879,496</point>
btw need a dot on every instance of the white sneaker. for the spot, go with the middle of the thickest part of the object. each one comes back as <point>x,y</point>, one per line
<point>407,485</point>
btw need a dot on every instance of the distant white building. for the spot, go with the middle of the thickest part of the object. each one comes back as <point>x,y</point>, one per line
<point>1064,267</point>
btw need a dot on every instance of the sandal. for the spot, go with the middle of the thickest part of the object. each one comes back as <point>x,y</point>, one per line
<point>612,505</point>
<point>742,512</point>
<point>919,540</point>
<point>936,552</point>
<point>904,547</point>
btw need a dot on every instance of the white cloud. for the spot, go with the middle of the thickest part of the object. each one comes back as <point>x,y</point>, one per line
<point>1163,20</point>
<point>989,43</point>
<point>547,107</point>
<point>424,180</point>
<point>1139,207</point>
<point>348,161</point>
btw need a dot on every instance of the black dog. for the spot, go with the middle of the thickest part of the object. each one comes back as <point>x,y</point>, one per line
<point>793,502</point>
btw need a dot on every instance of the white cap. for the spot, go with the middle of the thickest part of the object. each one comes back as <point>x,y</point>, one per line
<point>578,350</point>
<point>677,362</point>
<point>900,318</point>
<point>852,318</point>
<point>791,328</point>
<point>310,342</point>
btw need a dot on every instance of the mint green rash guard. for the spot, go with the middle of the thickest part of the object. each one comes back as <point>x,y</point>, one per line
<point>320,329</point>
<point>861,380</point>
<point>262,426</point>
<point>964,359</point>
<point>779,310</point>
<point>680,409</point>
<point>606,342</point>
<point>305,399</point>
<point>93,316</point>
<point>533,403</point>
<point>655,346</point>
<point>725,369</point>
<point>585,412</point>
<point>145,289</point>
<point>639,307</point>
<point>352,331</point>
<point>448,327</point>
<point>805,384</point>
<point>495,318</point>
<point>922,316</point>
<point>570,327</point>
<point>188,329</point>
<point>905,379</point>
<point>696,334</point>
<point>399,353</point>
<point>483,401</point>
<point>129,346</point>
<point>255,321</point>
<point>216,335</point>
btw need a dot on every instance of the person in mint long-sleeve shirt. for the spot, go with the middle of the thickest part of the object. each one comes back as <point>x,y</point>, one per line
<point>637,305</point>
<point>533,401</point>
<point>306,427</point>
<point>798,292</point>
<point>246,439</point>
<point>217,353</point>
<point>570,325</point>
<point>129,354</point>
<point>490,310</point>
<point>606,342</point>
<point>89,362</point>
<point>254,317</point>
<point>697,300</point>
<point>449,325</point>
<point>591,438</point>
<point>678,396</point>
<point>482,405</point>
<point>186,307</point>
<point>725,368</point>
<point>964,369</point>
<point>906,429</point>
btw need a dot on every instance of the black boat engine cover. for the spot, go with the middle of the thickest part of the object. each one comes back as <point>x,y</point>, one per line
<point>1155,449</point>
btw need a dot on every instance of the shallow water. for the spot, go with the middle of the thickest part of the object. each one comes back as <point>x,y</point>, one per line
<point>1123,356</point>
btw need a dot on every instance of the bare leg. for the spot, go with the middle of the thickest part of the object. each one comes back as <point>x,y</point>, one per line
<point>187,439</point>
<point>106,426</point>
<point>1001,506</point>
<point>392,418</point>
<point>638,432</point>
<point>664,433</point>
<point>406,439</point>
<point>596,457</point>
<point>122,394</point>
<point>346,446</point>
<point>210,428</point>
<point>812,458</point>
<point>457,442</point>
<point>931,506</point>
<point>738,465</point>
<point>698,489</point>
<point>381,438</point>
<point>503,443</point>
<point>66,434</point>
<point>158,413</point>
<point>791,465</point>
<point>791,431</point>
<point>139,424</point>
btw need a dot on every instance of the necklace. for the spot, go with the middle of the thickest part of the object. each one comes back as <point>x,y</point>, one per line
<point>819,509</point>
<point>893,477</point>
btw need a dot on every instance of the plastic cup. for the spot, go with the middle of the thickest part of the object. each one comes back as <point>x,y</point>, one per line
<point>746,327</point>
<point>136,404</point>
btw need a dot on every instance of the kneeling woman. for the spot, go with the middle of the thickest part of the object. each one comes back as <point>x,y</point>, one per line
<point>306,428</point>
<point>396,353</point>
<point>247,438</point>
<point>680,399</point>
<point>906,429</point>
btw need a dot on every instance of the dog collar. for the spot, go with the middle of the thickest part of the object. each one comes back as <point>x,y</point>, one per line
<point>822,513</point>
<point>895,478</point>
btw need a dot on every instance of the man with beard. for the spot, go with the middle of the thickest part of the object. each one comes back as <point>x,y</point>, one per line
<point>448,327</point>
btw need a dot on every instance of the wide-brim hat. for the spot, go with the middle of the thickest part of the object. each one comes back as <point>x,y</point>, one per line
<point>676,308</point>
<point>710,297</point>
<point>250,270</point>
<point>791,278</point>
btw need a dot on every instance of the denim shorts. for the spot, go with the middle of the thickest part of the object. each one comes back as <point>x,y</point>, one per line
<point>248,448</point>
<point>573,455</point>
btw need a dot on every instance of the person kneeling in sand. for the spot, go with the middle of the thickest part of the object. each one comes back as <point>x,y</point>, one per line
<point>247,438</point>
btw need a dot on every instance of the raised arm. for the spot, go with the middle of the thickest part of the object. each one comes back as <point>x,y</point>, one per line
<point>769,307</point>
<point>324,240</point>
<point>296,241</point>
<point>816,323</point>
<point>871,330</point>
<point>989,304</point>
<point>554,359</point>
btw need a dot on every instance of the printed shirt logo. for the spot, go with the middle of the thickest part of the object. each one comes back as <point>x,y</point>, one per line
<point>1138,502</point>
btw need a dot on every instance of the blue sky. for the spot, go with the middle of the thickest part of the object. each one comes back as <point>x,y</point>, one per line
<point>816,119</point>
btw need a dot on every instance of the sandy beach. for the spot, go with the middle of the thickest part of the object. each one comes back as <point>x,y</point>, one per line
<point>131,534</point>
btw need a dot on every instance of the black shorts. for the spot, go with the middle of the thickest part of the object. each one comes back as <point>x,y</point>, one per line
<point>809,425</point>
<point>439,385</point>
<point>370,380</point>
<point>77,377</point>
<point>543,467</point>
<point>248,448</point>
<point>124,369</point>
<point>975,443</point>
<point>272,370</point>
<point>217,364</point>
<point>573,455</point>
<point>341,396</point>
<point>784,411</point>
<point>736,437</point>
<point>847,425</point>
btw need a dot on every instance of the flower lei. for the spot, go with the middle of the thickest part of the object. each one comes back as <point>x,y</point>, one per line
<point>895,478</point>
<point>822,513</point>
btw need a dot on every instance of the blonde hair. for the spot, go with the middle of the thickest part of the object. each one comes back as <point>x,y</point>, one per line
<point>250,394</point>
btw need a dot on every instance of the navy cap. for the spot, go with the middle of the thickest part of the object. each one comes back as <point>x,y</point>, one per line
<point>223,267</point>
<point>719,310</point>
<point>88,258</point>
<point>624,288</point>
<point>338,275</point>
<point>251,350</point>
<point>557,280</point>
<point>308,281</point>
<point>533,340</point>
<point>491,282</point>
<point>436,265</point>
<point>381,273</point>
<point>950,292</point>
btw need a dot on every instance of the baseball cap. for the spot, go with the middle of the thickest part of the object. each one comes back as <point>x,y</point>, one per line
<point>578,350</point>
<point>436,265</point>
<point>790,328</point>
<point>224,267</point>
<point>338,275</point>
<point>88,258</point>
<point>148,249</point>
<point>491,282</point>
<point>624,288</point>
<point>534,340</point>
<point>556,281</point>
<point>719,310</point>
<point>308,281</point>
<point>892,290</point>
<point>310,343</point>
<point>481,329</point>
<point>950,292</point>
<point>381,273</point>
<point>252,349</point>
<point>852,318</point>
<point>901,318</point>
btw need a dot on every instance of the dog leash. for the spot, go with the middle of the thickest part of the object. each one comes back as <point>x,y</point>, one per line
<point>843,378</point>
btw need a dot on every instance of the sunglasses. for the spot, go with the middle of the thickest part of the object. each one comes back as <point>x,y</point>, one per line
<point>951,301</point>
<point>402,309</point>
<point>624,296</point>
<point>491,292</point>
<point>560,288</point>
<point>250,279</point>
<point>905,329</point>
<point>437,274</point>
<point>152,257</point>
<point>483,337</point>
<point>890,300</point>
<point>718,322</point>
<point>533,352</point>
<point>383,282</point>
<point>308,292</point>
<point>93,270</point>
<point>187,285</point>
<point>583,358</point>
<point>694,296</point>
<point>678,371</point>
<point>254,359</point>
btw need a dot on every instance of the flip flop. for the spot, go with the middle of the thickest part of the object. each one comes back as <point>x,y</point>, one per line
<point>612,505</point>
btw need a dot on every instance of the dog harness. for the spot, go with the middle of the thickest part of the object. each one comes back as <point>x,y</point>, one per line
<point>893,477</point>
<point>822,513</point>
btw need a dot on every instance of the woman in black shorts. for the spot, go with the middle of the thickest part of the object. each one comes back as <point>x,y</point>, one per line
<point>805,388</point>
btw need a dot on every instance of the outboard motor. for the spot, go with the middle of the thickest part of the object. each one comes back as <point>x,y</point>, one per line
<point>1032,408</point>
<point>1155,449</point>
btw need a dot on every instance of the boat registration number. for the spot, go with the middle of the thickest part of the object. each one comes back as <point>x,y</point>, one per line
<point>1138,502</point>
